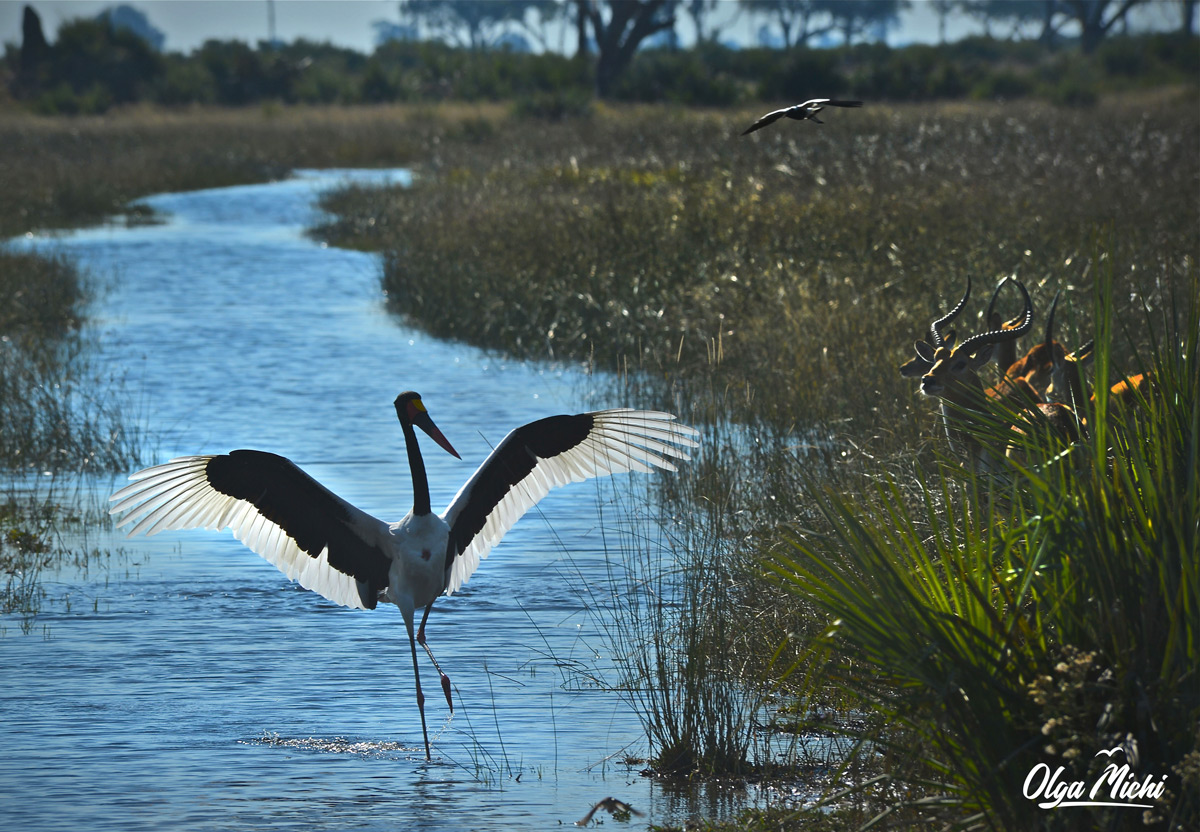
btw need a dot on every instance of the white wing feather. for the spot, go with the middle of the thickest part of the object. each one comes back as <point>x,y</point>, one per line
<point>620,440</point>
<point>176,495</point>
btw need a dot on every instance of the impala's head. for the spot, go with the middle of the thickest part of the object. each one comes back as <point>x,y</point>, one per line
<point>917,367</point>
<point>1037,364</point>
<point>952,371</point>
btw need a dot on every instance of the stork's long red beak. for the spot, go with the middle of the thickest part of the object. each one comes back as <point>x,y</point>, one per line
<point>420,418</point>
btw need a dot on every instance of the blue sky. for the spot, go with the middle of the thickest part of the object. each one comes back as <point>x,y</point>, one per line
<point>188,23</point>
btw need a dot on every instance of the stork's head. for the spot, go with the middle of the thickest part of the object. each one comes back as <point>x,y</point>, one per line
<point>411,411</point>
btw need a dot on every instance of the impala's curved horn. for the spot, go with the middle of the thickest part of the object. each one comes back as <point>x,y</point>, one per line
<point>991,307</point>
<point>1050,321</point>
<point>934,336</point>
<point>977,342</point>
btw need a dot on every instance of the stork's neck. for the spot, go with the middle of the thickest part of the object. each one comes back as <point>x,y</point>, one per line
<point>421,505</point>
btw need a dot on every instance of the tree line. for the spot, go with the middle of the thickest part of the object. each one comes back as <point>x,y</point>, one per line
<point>622,52</point>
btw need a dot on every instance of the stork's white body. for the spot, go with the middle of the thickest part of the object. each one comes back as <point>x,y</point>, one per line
<point>418,552</point>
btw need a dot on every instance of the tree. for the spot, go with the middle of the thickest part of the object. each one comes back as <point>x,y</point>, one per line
<point>133,20</point>
<point>34,48</point>
<point>943,9</point>
<point>628,23</point>
<point>859,18</point>
<point>94,55</point>
<point>482,20</point>
<point>793,17</point>
<point>1014,13</point>
<point>700,11</point>
<point>1187,23</point>
<point>544,13</point>
<point>1096,18</point>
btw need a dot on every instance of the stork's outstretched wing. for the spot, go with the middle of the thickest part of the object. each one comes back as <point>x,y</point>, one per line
<point>550,452</point>
<point>309,533</point>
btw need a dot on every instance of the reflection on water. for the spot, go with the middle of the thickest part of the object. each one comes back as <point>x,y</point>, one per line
<point>195,687</point>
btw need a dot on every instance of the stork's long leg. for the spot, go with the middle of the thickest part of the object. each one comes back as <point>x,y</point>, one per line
<point>421,641</point>
<point>412,643</point>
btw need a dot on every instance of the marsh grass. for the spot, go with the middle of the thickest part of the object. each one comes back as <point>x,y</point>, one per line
<point>46,524</point>
<point>1055,620</point>
<point>683,657</point>
<point>772,287</point>
<point>67,172</point>
<point>799,266</point>
<point>58,411</point>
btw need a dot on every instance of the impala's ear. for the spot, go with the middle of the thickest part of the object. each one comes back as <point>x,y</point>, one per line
<point>948,338</point>
<point>919,366</point>
<point>983,356</point>
<point>914,368</point>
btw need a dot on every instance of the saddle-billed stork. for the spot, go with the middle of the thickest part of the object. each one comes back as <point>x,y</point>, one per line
<point>800,112</point>
<point>346,555</point>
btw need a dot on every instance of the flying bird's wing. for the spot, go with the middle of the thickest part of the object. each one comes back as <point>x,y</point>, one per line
<point>611,805</point>
<point>547,453</point>
<point>806,110</point>
<point>309,533</point>
<point>586,819</point>
<point>769,118</point>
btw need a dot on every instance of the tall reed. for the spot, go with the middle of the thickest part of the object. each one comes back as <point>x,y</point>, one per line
<point>1058,618</point>
<point>58,411</point>
<point>680,630</point>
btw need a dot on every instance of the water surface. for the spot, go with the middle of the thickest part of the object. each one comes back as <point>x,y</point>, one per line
<point>190,685</point>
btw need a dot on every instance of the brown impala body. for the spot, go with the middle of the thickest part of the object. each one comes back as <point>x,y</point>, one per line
<point>1037,364</point>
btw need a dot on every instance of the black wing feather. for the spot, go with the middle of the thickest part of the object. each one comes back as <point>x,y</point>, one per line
<point>312,515</point>
<point>510,463</point>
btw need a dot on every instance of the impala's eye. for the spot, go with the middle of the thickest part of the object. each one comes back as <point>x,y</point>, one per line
<point>958,366</point>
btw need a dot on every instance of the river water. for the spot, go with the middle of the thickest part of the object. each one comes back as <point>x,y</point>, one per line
<point>188,685</point>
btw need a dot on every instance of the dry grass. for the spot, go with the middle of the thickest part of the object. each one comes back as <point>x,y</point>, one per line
<point>797,265</point>
<point>776,283</point>
<point>67,172</point>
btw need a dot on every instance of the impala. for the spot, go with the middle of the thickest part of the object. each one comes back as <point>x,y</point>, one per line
<point>1054,424</point>
<point>1037,364</point>
<point>952,374</point>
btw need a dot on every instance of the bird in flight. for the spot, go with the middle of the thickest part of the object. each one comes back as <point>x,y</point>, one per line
<point>800,112</point>
<point>346,555</point>
<point>616,808</point>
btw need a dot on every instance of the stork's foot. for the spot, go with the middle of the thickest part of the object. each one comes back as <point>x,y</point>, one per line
<point>446,690</point>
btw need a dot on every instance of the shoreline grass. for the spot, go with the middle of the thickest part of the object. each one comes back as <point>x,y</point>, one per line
<point>62,173</point>
<point>786,267</point>
<point>57,411</point>
<point>777,285</point>
<point>617,239</point>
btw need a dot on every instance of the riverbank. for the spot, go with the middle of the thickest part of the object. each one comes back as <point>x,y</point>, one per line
<point>770,286</point>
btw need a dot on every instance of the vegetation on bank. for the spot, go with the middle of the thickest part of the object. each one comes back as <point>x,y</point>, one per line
<point>963,630</point>
<point>61,174</point>
<point>93,65</point>
<point>57,411</point>
<point>619,236</point>
<point>793,268</point>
